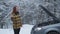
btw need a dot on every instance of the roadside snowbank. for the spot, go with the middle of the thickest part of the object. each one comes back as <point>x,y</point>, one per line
<point>26,29</point>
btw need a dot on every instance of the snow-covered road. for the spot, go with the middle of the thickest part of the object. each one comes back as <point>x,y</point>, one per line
<point>26,29</point>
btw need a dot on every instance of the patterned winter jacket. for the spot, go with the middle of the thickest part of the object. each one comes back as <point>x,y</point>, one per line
<point>16,21</point>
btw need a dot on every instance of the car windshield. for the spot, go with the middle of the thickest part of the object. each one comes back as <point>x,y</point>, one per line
<point>47,23</point>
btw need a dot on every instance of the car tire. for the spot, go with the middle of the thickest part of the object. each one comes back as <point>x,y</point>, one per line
<point>53,32</point>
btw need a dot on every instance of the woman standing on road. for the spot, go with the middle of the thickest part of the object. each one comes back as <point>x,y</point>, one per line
<point>16,19</point>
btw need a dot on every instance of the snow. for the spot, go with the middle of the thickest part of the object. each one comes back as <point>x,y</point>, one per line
<point>26,29</point>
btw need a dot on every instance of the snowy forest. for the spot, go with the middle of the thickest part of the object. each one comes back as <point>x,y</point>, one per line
<point>30,11</point>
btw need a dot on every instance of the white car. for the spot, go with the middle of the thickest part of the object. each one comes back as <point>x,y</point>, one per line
<point>49,27</point>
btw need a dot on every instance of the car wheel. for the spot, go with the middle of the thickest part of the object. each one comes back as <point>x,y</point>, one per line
<point>53,32</point>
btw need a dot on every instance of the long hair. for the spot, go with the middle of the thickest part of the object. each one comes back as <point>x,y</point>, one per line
<point>15,10</point>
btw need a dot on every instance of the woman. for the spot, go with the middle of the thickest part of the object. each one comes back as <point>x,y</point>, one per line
<point>16,20</point>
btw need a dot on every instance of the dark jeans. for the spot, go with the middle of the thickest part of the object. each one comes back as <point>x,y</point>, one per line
<point>16,31</point>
